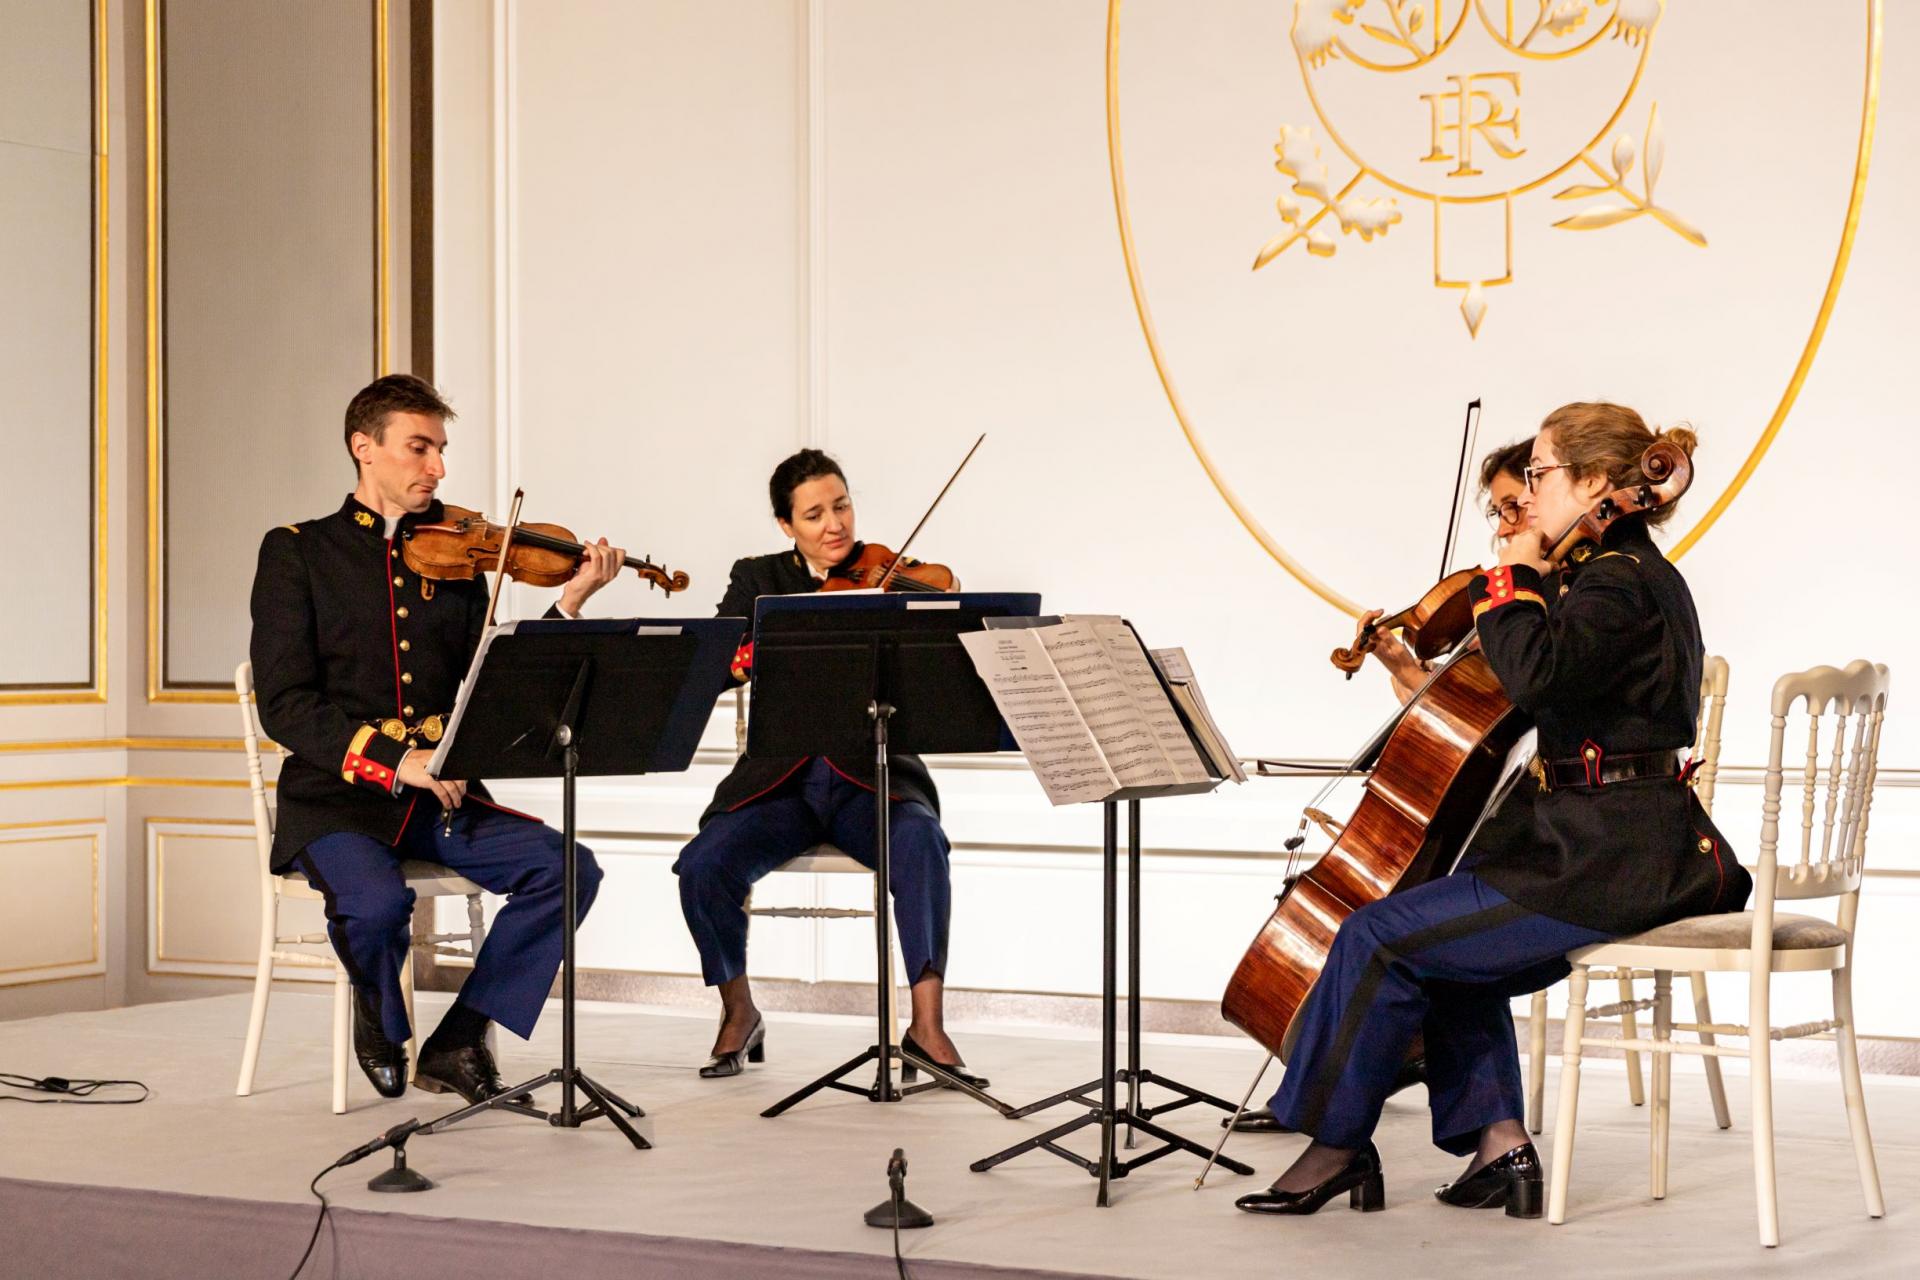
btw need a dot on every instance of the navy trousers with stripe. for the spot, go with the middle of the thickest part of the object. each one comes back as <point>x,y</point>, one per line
<point>1442,960</point>
<point>718,867</point>
<point>370,908</point>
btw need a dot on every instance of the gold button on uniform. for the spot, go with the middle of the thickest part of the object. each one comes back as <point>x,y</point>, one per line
<point>399,582</point>
<point>406,711</point>
<point>405,645</point>
<point>402,611</point>
<point>406,677</point>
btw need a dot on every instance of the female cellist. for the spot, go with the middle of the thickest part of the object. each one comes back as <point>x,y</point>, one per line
<point>1611,842</point>
<point>769,811</point>
<point>1503,480</point>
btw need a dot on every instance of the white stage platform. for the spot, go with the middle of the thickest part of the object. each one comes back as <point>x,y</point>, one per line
<point>200,1183</point>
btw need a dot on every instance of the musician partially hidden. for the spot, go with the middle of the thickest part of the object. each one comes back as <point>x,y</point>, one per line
<point>1606,661</point>
<point>356,660</point>
<point>767,811</point>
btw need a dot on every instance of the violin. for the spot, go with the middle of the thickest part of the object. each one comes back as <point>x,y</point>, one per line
<point>1440,619</point>
<point>1429,778</point>
<point>463,544</point>
<point>879,567</point>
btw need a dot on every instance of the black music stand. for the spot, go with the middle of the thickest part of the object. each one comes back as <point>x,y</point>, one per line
<point>850,674</point>
<point>1104,1110</point>
<point>573,699</point>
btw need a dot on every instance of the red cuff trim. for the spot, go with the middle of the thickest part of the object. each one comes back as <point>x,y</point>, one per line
<point>743,659</point>
<point>356,767</point>
<point>1503,590</point>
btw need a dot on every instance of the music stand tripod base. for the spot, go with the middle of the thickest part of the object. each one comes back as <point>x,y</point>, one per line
<point>1099,1094</point>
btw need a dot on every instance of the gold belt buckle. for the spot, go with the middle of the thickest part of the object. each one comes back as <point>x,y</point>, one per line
<point>395,729</point>
<point>1539,771</point>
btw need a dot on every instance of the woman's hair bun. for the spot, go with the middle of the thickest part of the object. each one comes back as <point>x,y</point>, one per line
<point>1681,435</point>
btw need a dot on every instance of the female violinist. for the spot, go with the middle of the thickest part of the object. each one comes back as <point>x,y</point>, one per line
<point>1610,841</point>
<point>768,811</point>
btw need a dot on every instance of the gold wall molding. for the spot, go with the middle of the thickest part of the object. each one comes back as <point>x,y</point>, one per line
<point>136,782</point>
<point>130,744</point>
<point>1215,474</point>
<point>97,908</point>
<point>157,880</point>
<point>96,689</point>
<point>158,690</point>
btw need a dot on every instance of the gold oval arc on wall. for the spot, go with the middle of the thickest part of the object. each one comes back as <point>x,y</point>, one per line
<point>1862,158</point>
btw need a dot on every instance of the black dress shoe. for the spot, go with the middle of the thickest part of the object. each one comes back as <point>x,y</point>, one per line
<point>384,1061</point>
<point>1361,1179</point>
<point>1255,1121</point>
<point>722,1065</point>
<point>913,1057</point>
<point>1512,1182</point>
<point>467,1070</point>
<point>1412,1072</point>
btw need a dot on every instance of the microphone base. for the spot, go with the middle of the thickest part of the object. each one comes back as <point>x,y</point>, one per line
<point>400,1177</point>
<point>911,1215</point>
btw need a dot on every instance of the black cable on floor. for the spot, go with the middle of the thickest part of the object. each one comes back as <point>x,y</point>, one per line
<point>75,1092</point>
<point>899,1262</point>
<point>314,1239</point>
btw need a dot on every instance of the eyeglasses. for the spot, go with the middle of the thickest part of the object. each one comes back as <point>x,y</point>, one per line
<point>1508,512</point>
<point>1533,474</point>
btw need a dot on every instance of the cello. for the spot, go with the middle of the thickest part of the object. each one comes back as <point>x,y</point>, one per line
<point>1430,776</point>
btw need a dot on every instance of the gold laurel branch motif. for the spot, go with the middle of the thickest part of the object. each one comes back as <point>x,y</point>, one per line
<point>1606,215</point>
<point>1297,156</point>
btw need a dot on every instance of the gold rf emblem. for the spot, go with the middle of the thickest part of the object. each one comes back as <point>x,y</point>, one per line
<point>1464,106</point>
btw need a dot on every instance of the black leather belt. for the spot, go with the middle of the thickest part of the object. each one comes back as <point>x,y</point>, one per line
<point>1593,767</point>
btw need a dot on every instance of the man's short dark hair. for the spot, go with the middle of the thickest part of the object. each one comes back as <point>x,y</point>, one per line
<point>1507,460</point>
<point>396,393</point>
<point>808,464</point>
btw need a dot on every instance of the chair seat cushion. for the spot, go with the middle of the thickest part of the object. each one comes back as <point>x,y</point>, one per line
<point>1735,929</point>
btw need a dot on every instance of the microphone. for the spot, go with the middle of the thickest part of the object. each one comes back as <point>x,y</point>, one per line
<point>897,1169</point>
<point>393,1137</point>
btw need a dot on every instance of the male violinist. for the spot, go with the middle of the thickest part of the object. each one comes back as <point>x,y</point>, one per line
<point>766,812</point>
<point>356,661</point>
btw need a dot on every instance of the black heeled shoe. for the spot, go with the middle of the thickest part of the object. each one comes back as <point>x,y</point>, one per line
<point>722,1065</point>
<point>1361,1179</point>
<point>1512,1182</point>
<point>910,1068</point>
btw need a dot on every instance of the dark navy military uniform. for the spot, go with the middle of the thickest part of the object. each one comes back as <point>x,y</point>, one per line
<point>356,661</point>
<point>768,811</point>
<point>1607,663</point>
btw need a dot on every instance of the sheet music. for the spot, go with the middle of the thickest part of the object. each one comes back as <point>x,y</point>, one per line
<point>1041,712</point>
<point>1125,735</point>
<point>1174,666</point>
<point>460,698</point>
<point>1136,672</point>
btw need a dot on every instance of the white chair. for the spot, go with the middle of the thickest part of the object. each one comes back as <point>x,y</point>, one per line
<point>822,858</point>
<point>426,879</point>
<point>1763,941</point>
<point>1713,706</point>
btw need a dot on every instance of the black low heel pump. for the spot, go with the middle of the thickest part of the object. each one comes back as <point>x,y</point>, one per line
<point>1512,1182</point>
<point>1361,1179</point>
<point>721,1065</point>
<point>910,1070</point>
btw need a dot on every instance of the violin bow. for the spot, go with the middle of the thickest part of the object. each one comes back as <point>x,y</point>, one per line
<point>901,556</point>
<point>506,551</point>
<point>1469,436</point>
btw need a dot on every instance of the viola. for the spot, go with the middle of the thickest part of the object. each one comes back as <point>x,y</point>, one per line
<point>1438,620</point>
<point>1429,778</point>
<point>463,544</point>
<point>879,567</point>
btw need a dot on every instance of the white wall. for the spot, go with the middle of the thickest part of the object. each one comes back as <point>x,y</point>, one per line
<point>710,234</point>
